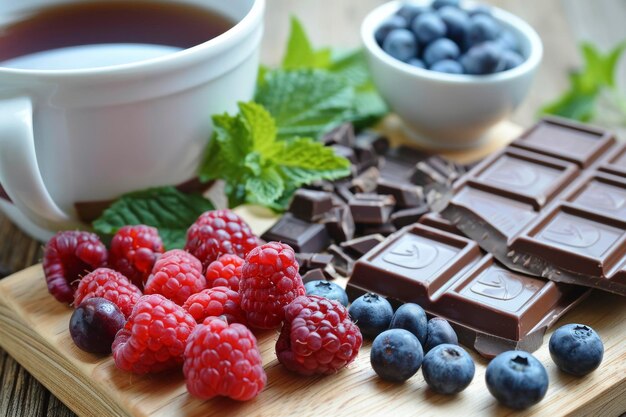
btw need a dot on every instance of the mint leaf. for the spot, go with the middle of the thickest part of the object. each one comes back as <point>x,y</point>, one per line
<point>260,126</point>
<point>306,102</point>
<point>300,53</point>
<point>165,208</point>
<point>265,188</point>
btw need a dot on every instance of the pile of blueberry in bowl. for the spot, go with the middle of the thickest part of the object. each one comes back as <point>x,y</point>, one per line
<point>445,37</point>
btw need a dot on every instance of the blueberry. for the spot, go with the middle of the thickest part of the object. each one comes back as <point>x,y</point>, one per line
<point>400,44</point>
<point>372,313</point>
<point>394,22</point>
<point>517,379</point>
<point>439,332</point>
<point>509,61</point>
<point>481,28</point>
<point>396,355</point>
<point>439,50</point>
<point>456,21</point>
<point>576,349</point>
<point>482,9</point>
<point>448,369</point>
<point>411,317</point>
<point>508,40</point>
<point>448,66</point>
<point>427,27</point>
<point>482,59</point>
<point>416,62</point>
<point>438,4</point>
<point>410,11</point>
<point>94,324</point>
<point>328,290</point>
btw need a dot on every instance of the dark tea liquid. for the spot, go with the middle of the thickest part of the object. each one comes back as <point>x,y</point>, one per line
<point>104,33</point>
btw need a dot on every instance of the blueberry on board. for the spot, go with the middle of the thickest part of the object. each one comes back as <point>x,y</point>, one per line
<point>396,355</point>
<point>416,62</point>
<point>439,50</point>
<point>411,317</point>
<point>481,9</point>
<point>448,66</point>
<point>394,22</point>
<point>328,290</point>
<point>456,21</point>
<point>372,313</point>
<point>576,349</point>
<point>438,4</point>
<point>481,28</point>
<point>427,27</point>
<point>400,44</point>
<point>448,369</point>
<point>482,59</point>
<point>94,324</point>
<point>508,40</point>
<point>509,61</point>
<point>439,332</point>
<point>517,379</point>
<point>410,11</point>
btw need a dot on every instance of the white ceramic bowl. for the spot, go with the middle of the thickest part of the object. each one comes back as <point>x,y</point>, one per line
<point>450,111</point>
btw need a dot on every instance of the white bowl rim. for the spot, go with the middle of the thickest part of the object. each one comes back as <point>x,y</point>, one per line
<point>375,17</point>
<point>168,62</point>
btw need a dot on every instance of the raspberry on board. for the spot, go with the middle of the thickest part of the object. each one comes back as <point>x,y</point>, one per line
<point>134,249</point>
<point>108,284</point>
<point>154,337</point>
<point>225,271</point>
<point>317,337</point>
<point>269,281</point>
<point>216,302</point>
<point>218,232</point>
<point>223,359</point>
<point>67,256</point>
<point>176,275</point>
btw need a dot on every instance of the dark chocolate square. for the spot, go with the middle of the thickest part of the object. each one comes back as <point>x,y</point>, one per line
<point>371,208</point>
<point>602,194</point>
<point>302,236</point>
<point>310,205</point>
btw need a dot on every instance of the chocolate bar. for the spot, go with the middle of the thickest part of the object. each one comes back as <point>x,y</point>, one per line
<point>310,205</point>
<point>491,308</point>
<point>552,204</point>
<point>301,235</point>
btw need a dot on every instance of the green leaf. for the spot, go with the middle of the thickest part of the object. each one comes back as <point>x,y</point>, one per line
<point>265,188</point>
<point>260,127</point>
<point>300,53</point>
<point>165,208</point>
<point>573,105</point>
<point>306,102</point>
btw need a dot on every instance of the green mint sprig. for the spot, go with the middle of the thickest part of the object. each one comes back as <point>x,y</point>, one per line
<point>593,88</point>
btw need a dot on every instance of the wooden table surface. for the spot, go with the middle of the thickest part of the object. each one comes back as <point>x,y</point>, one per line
<point>561,24</point>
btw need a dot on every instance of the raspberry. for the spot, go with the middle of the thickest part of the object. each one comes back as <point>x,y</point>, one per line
<point>223,359</point>
<point>111,285</point>
<point>154,337</point>
<point>134,249</point>
<point>218,232</point>
<point>215,302</point>
<point>67,256</point>
<point>225,271</point>
<point>317,337</point>
<point>269,281</point>
<point>176,275</point>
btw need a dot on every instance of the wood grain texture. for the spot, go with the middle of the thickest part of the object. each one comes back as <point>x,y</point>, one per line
<point>33,329</point>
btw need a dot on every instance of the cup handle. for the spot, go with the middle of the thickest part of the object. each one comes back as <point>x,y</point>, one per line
<point>19,171</point>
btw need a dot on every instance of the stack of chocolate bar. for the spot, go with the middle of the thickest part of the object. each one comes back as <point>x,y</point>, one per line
<point>524,225</point>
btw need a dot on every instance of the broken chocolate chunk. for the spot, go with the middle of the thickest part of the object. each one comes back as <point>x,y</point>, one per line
<point>310,205</point>
<point>301,235</point>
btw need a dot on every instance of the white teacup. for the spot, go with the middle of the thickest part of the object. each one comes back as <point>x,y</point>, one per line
<point>89,135</point>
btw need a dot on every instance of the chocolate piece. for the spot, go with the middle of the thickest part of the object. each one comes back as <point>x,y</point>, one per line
<point>366,181</point>
<point>406,194</point>
<point>366,155</point>
<point>548,216</point>
<point>339,223</point>
<point>372,229</point>
<point>616,164</point>
<point>371,208</point>
<point>409,216</point>
<point>436,170</point>
<point>320,185</point>
<point>399,163</point>
<point>436,221</point>
<point>361,245</point>
<point>308,261</point>
<point>342,262</point>
<point>346,152</point>
<point>310,205</point>
<point>316,274</point>
<point>302,236</point>
<point>379,143</point>
<point>491,308</point>
<point>341,135</point>
<point>342,189</point>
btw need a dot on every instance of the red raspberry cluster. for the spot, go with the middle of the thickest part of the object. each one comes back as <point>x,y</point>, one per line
<point>196,303</point>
